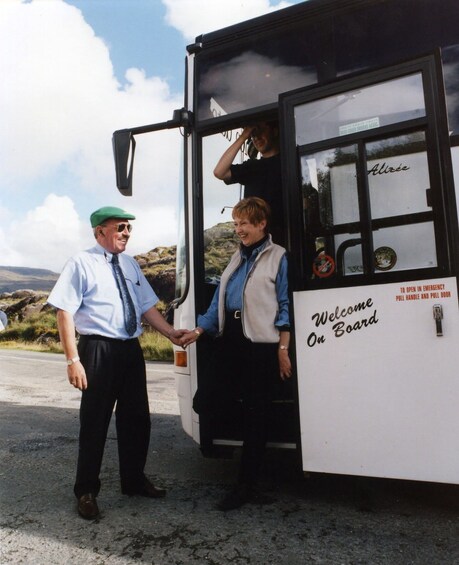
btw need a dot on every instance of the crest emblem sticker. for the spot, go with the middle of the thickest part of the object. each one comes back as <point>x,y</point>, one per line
<point>385,258</point>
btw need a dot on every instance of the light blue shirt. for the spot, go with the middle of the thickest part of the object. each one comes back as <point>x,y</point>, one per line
<point>235,289</point>
<point>87,289</point>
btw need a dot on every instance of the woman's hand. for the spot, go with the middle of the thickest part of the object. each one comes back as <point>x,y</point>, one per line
<point>190,337</point>
<point>285,365</point>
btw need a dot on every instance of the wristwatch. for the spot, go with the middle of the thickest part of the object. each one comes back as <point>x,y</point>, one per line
<point>72,360</point>
<point>283,347</point>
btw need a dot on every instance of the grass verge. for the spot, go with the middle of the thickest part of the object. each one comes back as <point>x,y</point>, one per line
<point>39,333</point>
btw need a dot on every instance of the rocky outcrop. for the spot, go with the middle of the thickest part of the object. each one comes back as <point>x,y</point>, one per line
<point>220,242</point>
<point>22,304</point>
<point>158,266</point>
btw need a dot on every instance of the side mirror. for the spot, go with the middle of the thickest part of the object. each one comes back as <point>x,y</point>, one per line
<point>124,146</point>
<point>123,151</point>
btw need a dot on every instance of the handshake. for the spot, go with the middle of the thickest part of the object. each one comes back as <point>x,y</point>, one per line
<point>184,338</point>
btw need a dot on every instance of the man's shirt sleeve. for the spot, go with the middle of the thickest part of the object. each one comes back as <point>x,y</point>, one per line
<point>68,291</point>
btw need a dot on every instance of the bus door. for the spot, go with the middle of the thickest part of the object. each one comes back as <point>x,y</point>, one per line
<point>373,237</point>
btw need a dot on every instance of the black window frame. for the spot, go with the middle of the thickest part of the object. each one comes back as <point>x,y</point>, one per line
<point>438,148</point>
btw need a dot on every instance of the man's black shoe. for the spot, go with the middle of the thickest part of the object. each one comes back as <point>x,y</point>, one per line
<point>87,507</point>
<point>147,489</point>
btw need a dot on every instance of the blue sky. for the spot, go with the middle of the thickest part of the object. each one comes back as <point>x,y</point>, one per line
<point>73,71</point>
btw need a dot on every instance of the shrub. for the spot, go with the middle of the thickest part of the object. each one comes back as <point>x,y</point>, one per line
<point>156,347</point>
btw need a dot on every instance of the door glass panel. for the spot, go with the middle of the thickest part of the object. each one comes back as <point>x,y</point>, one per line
<point>405,247</point>
<point>349,260</point>
<point>398,176</point>
<point>330,205</point>
<point>399,186</point>
<point>366,108</point>
<point>220,242</point>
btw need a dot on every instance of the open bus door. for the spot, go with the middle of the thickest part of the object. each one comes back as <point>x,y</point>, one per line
<point>373,240</point>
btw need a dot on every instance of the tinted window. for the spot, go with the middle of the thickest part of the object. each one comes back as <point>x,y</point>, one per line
<point>253,72</point>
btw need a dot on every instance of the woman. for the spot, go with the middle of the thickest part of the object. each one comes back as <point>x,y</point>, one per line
<point>249,314</point>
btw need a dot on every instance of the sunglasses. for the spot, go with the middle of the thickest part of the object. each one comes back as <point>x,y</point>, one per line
<point>120,227</point>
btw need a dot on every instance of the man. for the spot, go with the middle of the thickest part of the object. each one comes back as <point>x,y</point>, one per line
<point>102,293</point>
<point>260,177</point>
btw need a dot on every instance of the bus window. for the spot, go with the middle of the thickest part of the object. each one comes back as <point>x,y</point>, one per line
<point>367,203</point>
<point>398,181</point>
<point>251,71</point>
<point>400,207</point>
<point>181,273</point>
<point>330,209</point>
<point>218,201</point>
<point>374,106</point>
<point>250,75</point>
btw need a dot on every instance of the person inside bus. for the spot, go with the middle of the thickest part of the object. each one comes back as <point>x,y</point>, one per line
<point>249,315</point>
<point>260,177</point>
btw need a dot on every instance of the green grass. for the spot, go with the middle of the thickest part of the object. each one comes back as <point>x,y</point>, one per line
<point>32,346</point>
<point>156,347</point>
<point>39,333</point>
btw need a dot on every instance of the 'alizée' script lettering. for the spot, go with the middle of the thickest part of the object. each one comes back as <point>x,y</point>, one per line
<point>383,169</point>
<point>340,325</point>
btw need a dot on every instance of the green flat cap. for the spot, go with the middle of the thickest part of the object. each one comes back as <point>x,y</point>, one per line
<point>99,216</point>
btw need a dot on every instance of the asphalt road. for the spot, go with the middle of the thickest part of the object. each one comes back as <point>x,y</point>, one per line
<point>321,520</point>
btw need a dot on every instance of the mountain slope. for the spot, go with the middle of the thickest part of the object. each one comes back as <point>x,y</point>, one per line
<point>17,278</point>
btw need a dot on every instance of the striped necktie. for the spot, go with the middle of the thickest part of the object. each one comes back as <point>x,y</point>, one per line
<point>130,318</point>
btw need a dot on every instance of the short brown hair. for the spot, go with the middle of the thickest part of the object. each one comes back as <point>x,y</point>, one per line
<point>254,209</point>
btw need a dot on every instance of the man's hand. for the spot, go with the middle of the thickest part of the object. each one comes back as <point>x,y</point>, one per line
<point>247,132</point>
<point>77,376</point>
<point>176,336</point>
<point>222,169</point>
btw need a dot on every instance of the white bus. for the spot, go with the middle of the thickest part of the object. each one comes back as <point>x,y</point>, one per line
<point>367,97</point>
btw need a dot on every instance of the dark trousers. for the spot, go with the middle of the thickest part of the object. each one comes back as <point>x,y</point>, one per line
<point>116,375</point>
<point>249,372</point>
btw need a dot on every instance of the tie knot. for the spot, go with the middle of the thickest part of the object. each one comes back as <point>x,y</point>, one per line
<point>115,259</point>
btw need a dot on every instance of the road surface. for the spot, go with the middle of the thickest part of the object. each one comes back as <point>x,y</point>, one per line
<point>322,520</point>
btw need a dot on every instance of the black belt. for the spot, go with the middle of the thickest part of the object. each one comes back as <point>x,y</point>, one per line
<point>105,338</point>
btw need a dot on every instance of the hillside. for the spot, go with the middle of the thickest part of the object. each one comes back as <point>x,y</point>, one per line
<point>17,278</point>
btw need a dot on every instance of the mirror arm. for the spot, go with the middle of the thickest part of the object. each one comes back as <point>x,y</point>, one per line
<point>124,146</point>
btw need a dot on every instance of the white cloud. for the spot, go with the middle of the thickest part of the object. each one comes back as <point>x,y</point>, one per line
<point>55,71</point>
<point>62,101</point>
<point>194,17</point>
<point>60,104</point>
<point>48,235</point>
<point>152,228</point>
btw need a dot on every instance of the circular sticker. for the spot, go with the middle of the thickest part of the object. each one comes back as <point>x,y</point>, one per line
<point>323,266</point>
<point>385,258</point>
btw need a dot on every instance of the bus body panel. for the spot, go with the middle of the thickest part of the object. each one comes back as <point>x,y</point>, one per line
<point>378,388</point>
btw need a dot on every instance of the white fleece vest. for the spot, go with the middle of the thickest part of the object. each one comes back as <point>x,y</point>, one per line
<point>259,302</point>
